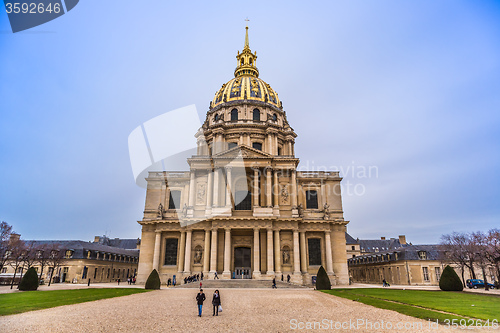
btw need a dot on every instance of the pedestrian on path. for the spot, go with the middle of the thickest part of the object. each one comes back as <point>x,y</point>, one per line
<point>216,303</point>
<point>200,298</point>
<point>274,284</point>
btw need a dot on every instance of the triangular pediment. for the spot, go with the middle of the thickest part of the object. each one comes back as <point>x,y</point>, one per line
<point>242,151</point>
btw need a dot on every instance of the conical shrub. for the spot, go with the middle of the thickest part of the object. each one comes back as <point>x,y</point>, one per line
<point>322,280</point>
<point>29,280</point>
<point>153,281</point>
<point>450,281</point>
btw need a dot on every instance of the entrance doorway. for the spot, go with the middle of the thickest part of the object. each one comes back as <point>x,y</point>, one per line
<point>242,263</point>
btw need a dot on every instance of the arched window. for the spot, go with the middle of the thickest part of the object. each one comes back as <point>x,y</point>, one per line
<point>216,118</point>
<point>256,115</point>
<point>275,117</point>
<point>257,145</point>
<point>234,115</point>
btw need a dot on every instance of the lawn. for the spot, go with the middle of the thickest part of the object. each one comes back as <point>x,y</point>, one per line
<point>36,300</point>
<point>423,304</point>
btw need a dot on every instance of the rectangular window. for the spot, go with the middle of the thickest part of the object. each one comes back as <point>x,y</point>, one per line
<point>257,145</point>
<point>425,271</point>
<point>4,270</point>
<point>108,273</point>
<point>175,200</point>
<point>438,273</point>
<point>311,199</point>
<point>314,245</point>
<point>85,269</point>
<point>232,145</point>
<point>171,251</point>
<point>95,273</point>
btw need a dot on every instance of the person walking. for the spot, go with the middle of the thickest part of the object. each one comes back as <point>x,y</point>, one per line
<point>216,276</point>
<point>216,303</point>
<point>288,278</point>
<point>274,283</point>
<point>200,298</point>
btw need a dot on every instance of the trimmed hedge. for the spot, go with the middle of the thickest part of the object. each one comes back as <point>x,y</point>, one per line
<point>29,280</point>
<point>450,281</point>
<point>322,280</point>
<point>153,281</point>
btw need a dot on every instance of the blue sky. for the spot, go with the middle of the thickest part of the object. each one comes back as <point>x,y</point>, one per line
<point>410,88</point>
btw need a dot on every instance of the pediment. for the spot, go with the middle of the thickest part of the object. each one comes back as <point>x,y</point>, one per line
<point>242,151</point>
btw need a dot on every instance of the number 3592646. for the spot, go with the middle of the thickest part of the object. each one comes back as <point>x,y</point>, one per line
<point>32,8</point>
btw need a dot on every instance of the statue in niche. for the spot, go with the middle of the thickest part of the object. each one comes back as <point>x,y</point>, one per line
<point>286,256</point>
<point>160,211</point>
<point>326,213</point>
<point>284,194</point>
<point>197,255</point>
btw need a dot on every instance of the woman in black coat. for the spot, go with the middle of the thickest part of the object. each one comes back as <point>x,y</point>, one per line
<point>216,303</point>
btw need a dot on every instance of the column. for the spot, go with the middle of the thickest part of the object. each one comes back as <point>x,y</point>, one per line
<point>256,187</point>
<point>276,188</point>
<point>296,255</point>
<point>187,255</point>
<point>182,251</point>
<point>156,253</point>
<point>216,188</point>
<point>270,262</point>
<point>206,254</point>
<point>294,188</point>
<point>227,253</point>
<point>277,252</point>
<point>268,187</point>
<point>210,189</point>
<point>213,252</point>
<point>256,251</point>
<point>303,257</point>
<point>228,188</point>
<point>328,248</point>
<point>191,189</point>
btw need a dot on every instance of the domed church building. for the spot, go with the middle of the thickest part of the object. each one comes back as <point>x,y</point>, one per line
<point>243,211</point>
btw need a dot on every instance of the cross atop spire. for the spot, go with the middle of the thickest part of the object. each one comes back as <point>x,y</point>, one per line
<point>246,34</point>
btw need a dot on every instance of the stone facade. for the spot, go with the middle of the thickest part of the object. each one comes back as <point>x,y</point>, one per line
<point>243,210</point>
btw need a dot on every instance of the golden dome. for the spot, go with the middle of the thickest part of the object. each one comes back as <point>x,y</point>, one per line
<point>246,85</point>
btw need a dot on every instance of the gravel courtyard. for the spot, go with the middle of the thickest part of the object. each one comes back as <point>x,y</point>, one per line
<point>244,310</point>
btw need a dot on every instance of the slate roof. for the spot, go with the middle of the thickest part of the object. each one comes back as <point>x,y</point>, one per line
<point>349,240</point>
<point>408,252</point>
<point>80,248</point>
<point>379,245</point>
<point>120,242</point>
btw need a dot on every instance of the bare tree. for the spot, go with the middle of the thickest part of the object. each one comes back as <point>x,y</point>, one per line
<point>480,241</point>
<point>42,257</point>
<point>16,255</point>
<point>55,259</point>
<point>493,251</point>
<point>5,232</point>
<point>30,254</point>
<point>455,250</point>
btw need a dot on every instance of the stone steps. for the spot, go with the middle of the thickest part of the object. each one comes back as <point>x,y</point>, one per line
<point>248,283</point>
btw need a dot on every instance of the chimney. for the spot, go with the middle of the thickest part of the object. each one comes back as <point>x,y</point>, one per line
<point>402,239</point>
<point>96,239</point>
<point>14,237</point>
<point>382,238</point>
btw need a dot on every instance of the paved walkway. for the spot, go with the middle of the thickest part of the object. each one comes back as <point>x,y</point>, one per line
<point>245,310</point>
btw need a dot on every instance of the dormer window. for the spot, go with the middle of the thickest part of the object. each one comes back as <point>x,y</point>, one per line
<point>422,255</point>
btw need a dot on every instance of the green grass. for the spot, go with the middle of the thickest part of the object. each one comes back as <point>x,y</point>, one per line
<point>36,300</point>
<point>459,304</point>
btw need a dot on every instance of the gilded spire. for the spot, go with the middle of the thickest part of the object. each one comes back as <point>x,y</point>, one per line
<point>246,60</point>
<point>246,38</point>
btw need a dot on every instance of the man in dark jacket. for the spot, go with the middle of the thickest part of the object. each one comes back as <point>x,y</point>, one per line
<point>200,298</point>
